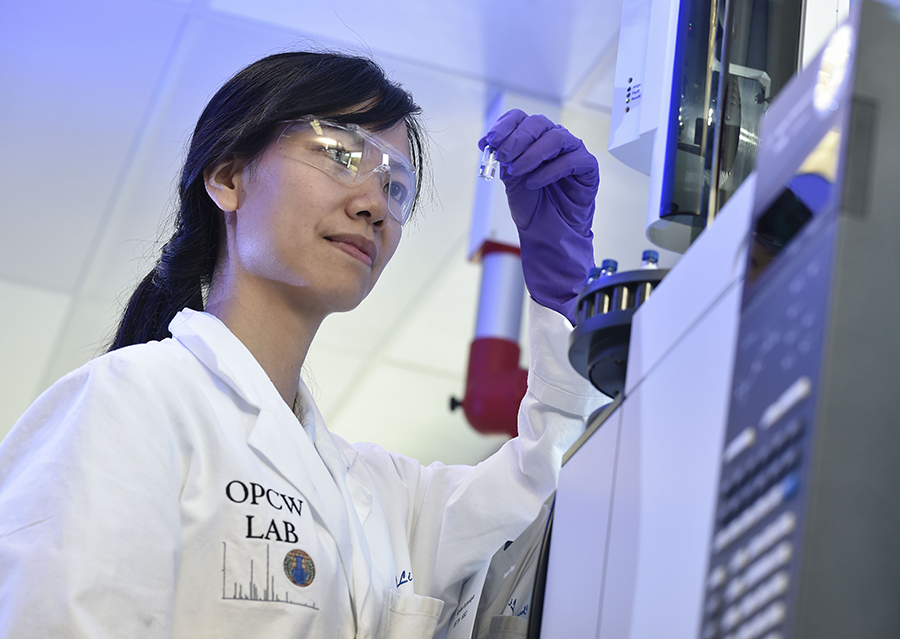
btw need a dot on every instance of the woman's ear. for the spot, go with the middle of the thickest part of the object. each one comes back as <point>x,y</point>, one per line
<point>224,183</point>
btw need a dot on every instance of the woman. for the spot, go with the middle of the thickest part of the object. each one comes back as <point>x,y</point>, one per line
<point>167,488</point>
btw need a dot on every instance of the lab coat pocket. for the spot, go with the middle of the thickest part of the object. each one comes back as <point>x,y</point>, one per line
<point>412,616</point>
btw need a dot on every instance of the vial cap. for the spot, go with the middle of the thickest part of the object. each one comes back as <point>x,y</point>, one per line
<point>593,274</point>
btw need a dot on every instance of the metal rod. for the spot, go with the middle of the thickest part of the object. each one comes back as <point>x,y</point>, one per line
<point>725,64</point>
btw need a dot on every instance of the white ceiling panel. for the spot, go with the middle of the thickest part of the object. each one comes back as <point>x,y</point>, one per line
<point>330,375</point>
<point>544,47</point>
<point>596,92</point>
<point>88,328</point>
<point>407,412</point>
<point>29,324</point>
<point>77,81</point>
<point>437,334</point>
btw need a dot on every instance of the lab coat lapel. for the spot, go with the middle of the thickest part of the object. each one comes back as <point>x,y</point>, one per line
<point>338,459</point>
<point>338,462</point>
<point>357,500</point>
<point>300,464</point>
<point>290,452</point>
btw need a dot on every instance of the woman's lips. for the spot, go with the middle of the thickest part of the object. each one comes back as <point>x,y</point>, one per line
<point>357,246</point>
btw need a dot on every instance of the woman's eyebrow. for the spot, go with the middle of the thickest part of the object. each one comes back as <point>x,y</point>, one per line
<point>355,136</point>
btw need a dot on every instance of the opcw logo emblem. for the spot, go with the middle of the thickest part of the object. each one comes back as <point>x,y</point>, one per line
<point>299,568</point>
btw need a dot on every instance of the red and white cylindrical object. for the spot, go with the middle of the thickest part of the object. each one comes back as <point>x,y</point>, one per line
<point>495,384</point>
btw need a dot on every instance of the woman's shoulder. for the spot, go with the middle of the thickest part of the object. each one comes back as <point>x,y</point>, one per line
<point>142,375</point>
<point>166,352</point>
<point>122,402</point>
<point>157,361</point>
<point>388,467</point>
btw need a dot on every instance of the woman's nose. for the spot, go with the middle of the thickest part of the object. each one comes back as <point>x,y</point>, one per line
<point>367,198</point>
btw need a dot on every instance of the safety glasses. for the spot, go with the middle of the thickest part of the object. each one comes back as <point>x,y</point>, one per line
<point>352,155</point>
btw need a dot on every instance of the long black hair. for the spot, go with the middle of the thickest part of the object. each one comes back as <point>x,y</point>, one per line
<point>240,121</point>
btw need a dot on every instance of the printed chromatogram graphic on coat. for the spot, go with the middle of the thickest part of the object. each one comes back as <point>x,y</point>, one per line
<point>244,587</point>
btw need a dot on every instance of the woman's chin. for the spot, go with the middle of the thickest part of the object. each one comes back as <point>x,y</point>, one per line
<point>343,301</point>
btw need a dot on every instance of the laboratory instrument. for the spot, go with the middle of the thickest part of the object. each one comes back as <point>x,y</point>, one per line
<point>807,511</point>
<point>604,308</point>
<point>744,484</point>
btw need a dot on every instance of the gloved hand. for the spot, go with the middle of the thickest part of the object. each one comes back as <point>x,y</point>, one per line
<point>551,182</point>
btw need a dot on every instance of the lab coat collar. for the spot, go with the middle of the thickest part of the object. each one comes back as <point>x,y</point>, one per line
<point>213,343</point>
<point>337,458</point>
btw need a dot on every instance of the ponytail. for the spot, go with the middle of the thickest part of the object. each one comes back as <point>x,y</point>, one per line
<point>177,281</point>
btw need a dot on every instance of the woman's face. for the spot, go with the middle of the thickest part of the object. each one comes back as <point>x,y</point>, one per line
<point>314,238</point>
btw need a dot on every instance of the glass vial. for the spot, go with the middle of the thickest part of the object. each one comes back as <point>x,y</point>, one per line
<point>488,167</point>
<point>650,259</point>
<point>592,276</point>
<point>608,267</point>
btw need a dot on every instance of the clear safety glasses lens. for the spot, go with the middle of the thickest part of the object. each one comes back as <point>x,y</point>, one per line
<point>352,155</point>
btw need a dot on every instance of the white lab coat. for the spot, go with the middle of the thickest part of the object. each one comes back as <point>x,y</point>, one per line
<point>166,489</point>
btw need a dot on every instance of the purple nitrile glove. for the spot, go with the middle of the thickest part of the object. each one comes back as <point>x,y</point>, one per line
<point>551,182</point>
